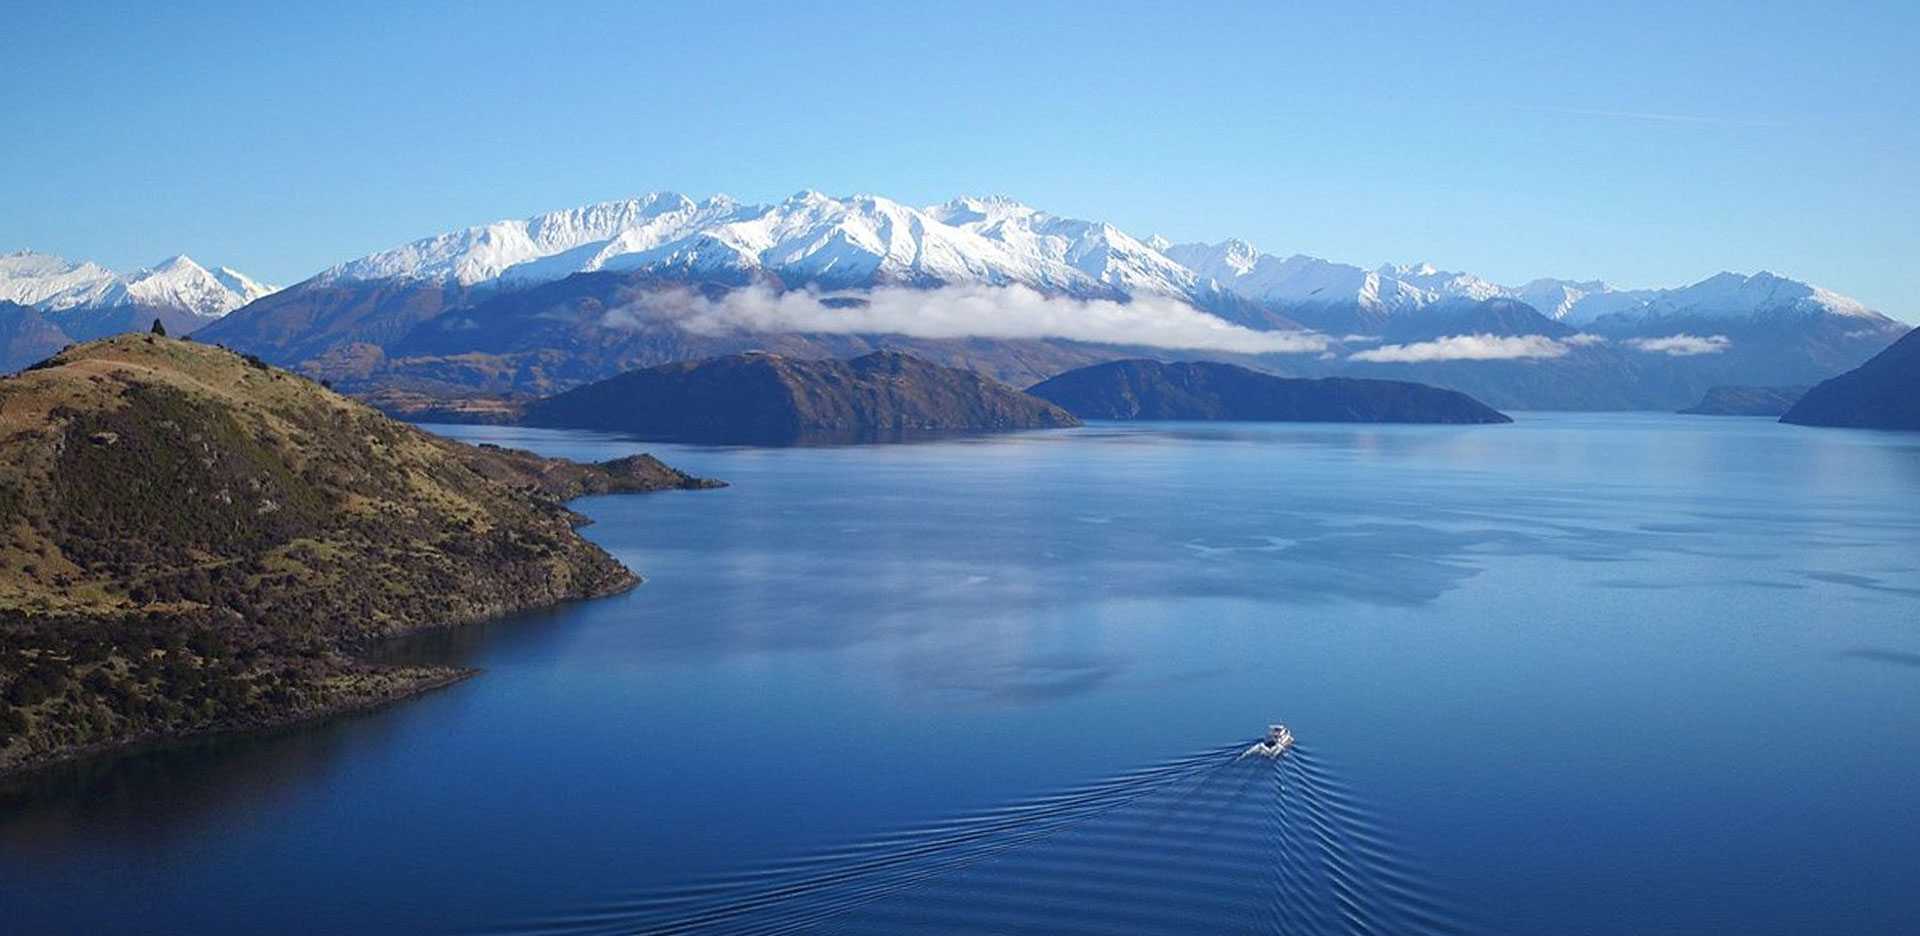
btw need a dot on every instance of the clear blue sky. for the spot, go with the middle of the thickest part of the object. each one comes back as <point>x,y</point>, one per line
<point>1648,146</point>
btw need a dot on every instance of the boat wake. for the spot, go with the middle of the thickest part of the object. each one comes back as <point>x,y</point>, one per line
<point>1210,842</point>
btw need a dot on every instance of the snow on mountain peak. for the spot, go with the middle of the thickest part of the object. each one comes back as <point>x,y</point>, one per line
<point>180,283</point>
<point>1421,269</point>
<point>54,284</point>
<point>482,253</point>
<point>51,283</point>
<point>974,209</point>
<point>812,237</point>
<point>1236,266</point>
<point>808,236</point>
<point>1734,295</point>
<point>242,285</point>
<point>1556,298</point>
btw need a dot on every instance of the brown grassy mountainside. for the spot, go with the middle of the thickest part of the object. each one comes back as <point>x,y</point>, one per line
<point>191,540</point>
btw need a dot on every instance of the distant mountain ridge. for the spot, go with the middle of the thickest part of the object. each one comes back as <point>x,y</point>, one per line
<point>48,300</point>
<point>864,240</point>
<point>55,284</point>
<point>1883,393</point>
<point>26,336</point>
<point>1746,401</point>
<point>1203,390</point>
<point>761,398</point>
<point>538,305</point>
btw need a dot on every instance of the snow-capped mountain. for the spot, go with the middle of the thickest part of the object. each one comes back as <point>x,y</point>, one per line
<point>1721,296</point>
<point>1302,280</point>
<point>569,241</point>
<point>1557,298</point>
<point>55,285</point>
<point>866,240</point>
<point>499,307</point>
<point>180,283</point>
<point>808,238</point>
<point>1094,252</point>
<point>1730,295</point>
<point>50,283</point>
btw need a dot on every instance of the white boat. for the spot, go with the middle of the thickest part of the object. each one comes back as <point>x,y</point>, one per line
<point>1277,742</point>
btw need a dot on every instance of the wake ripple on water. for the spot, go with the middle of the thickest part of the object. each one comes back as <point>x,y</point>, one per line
<point>1209,842</point>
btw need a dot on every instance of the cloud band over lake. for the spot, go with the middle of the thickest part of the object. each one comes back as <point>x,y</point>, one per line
<point>1482,347</point>
<point>1682,345</point>
<point>970,311</point>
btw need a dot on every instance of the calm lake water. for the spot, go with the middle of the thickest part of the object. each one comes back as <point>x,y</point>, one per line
<point>1594,673</point>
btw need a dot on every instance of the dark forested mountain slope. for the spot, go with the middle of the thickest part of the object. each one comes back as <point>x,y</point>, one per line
<point>1883,393</point>
<point>1142,389</point>
<point>769,398</point>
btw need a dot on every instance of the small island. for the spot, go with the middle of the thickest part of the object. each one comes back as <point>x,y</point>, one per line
<point>1202,390</point>
<point>769,399</point>
<point>1883,393</point>
<point>193,541</point>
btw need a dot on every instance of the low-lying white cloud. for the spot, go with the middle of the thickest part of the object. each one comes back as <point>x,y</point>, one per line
<point>1584,339</point>
<point>1481,347</point>
<point>970,311</point>
<point>1681,345</point>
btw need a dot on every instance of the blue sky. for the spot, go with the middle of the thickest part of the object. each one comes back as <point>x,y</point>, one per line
<point>1645,145</point>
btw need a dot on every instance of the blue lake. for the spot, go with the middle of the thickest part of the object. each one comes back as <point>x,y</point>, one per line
<point>1584,673</point>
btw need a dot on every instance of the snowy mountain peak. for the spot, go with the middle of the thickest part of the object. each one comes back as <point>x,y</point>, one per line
<point>1237,267</point>
<point>975,209</point>
<point>1239,254</point>
<point>1557,298</point>
<point>246,287</point>
<point>180,283</point>
<point>1732,295</point>
<point>53,284</point>
<point>809,236</point>
<point>864,240</point>
<point>1408,269</point>
<point>1224,262</point>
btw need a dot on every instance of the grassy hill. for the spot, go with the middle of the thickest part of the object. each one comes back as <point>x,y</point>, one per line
<point>191,540</point>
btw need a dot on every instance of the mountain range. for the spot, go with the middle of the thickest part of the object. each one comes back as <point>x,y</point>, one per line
<point>866,240</point>
<point>542,304</point>
<point>48,300</point>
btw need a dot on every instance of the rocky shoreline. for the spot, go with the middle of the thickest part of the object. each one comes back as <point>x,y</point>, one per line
<point>391,686</point>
